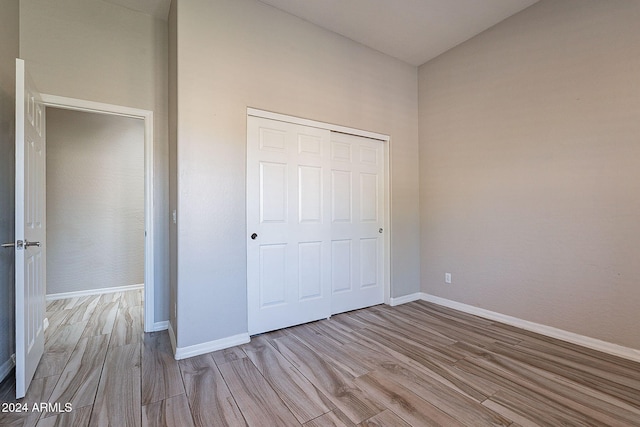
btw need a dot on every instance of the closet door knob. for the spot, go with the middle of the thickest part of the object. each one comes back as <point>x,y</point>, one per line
<point>253,236</point>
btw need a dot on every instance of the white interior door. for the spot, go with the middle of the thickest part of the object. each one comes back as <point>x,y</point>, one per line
<point>30,228</point>
<point>357,221</point>
<point>288,224</point>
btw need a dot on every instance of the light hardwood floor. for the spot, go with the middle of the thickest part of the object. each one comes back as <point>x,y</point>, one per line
<point>413,365</point>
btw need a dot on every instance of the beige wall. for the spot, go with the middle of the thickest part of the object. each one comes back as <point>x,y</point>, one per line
<point>242,53</point>
<point>530,169</point>
<point>94,50</point>
<point>9,44</point>
<point>95,201</point>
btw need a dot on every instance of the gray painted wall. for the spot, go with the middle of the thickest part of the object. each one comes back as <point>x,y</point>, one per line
<point>95,201</point>
<point>102,52</point>
<point>235,54</point>
<point>530,169</point>
<point>9,45</point>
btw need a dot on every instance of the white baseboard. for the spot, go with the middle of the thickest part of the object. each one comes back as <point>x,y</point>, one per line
<point>87,292</point>
<point>208,347</point>
<point>6,368</point>
<point>159,326</point>
<point>584,341</point>
<point>405,299</point>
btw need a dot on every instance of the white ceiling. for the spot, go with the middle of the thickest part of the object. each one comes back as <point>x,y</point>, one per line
<point>413,31</point>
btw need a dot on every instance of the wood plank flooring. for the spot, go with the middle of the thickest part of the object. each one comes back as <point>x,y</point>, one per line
<point>413,365</point>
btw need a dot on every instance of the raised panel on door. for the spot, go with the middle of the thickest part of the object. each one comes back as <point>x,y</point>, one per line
<point>341,197</point>
<point>369,197</point>
<point>31,284</point>
<point>369,262</point>
<point>341,266</point>
<point>310,145</point>
<point>340,151</point>
<point>273,275</point>
<point>273,192</point>
<point>288,261</point>
<point>368,155</point>
<point>310,270</point>
<point>310,194</point>
<point>272,139</point>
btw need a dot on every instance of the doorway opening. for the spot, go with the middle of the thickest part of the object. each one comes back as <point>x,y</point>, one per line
<point>94,207</point>
<point>111,113</point>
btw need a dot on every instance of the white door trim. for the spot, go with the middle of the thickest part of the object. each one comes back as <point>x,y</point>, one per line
<point>147,116</point>
<point>386,139</point>
<point>313,123</point>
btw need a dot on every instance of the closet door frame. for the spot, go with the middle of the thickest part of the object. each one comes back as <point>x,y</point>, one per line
<point>386,140</point>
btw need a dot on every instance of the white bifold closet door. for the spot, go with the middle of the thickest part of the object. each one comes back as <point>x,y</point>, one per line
<point>315,204</point>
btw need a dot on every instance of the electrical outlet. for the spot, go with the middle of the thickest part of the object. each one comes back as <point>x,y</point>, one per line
<point>447,278</point>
